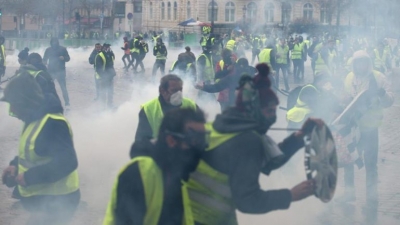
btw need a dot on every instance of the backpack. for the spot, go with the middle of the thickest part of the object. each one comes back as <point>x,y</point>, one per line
<point>292,97</point>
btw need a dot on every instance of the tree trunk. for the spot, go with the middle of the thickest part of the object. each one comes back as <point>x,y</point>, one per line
<point>338,14</point>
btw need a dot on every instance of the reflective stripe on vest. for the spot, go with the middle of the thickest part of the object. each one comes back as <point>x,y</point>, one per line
<point>173,66</point>
<point>231,45</point>
<point>209,189</point>
<point>209,68</point>
<point>159,55</point>
<point>300,111</point>
<point>34,73</point>
<point>297,52</point>
<point>103,58</point>
<point>3,54</point>
<point>265,56</point>
<point>373,116</point>
<point>155,114</point>
<point>153,190</point>
<point>133,48</point>
<point>297,114</point>
<point>281,54</point>
<point>28,159</point>
<point>222,63</point>
<point>204,41</point>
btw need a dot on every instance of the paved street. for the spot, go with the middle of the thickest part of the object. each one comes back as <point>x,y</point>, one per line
<point>102,141</point>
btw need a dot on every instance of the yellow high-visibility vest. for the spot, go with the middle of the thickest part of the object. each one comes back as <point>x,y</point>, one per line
<point>28,159</point>
<point>281,54</point>
<point>300,111</point>
<point>209,190</point>
<point>297,51</point>
<point>231,45</point>
<point>103,58</point>
<point>155,114</point>
<point>265,56</point>
<point>209,73</point>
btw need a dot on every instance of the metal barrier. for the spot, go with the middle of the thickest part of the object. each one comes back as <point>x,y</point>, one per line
<point>19,44</point>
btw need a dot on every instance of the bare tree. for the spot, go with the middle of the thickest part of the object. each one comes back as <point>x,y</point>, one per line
<point>333,8</point>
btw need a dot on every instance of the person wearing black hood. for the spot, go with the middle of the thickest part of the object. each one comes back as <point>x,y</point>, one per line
<point>151,189</point>
<point>23,56</point>
<point>44,173</point>
<point>55,57</point>
<point>36,69</point>
<point>227,177</point>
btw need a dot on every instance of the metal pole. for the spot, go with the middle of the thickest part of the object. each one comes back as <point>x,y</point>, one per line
<point>102,15</point>
<point>63,19</point>
<point>212,16</point>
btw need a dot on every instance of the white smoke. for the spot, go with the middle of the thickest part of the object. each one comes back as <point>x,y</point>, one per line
<point>103,139</point>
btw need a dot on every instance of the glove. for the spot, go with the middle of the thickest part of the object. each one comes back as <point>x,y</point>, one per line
<point>309,125</point>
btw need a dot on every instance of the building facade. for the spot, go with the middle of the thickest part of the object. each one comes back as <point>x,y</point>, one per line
<point>159,14</point>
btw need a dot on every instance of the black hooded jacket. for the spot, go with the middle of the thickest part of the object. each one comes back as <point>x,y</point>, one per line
<point>242,158</point>
<point>130,196</point>
<point>52,56</point>
<point>54,141</point>
<point>44,79</point>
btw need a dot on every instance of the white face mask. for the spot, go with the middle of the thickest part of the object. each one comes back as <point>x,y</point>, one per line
<point>176,98</point>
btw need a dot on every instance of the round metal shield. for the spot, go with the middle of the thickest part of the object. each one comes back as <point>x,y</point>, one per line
<point>321,162</point>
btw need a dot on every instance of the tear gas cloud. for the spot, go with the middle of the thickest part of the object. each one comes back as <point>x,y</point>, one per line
<point>103,139</point>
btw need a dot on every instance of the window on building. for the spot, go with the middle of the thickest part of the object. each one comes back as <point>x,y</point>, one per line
<point>286,12</point>
<point>175,11</point>
<point>162,10</point>
<point>137,7</point>
<point>269,12</point>
<point>169,10</point>
<point>230,12</point>
<point>151,10</point>
<point>308,11</point>
<point>188,10</point>
<point>252,10</point>
<point>210,11</point>
<point>324,14</point>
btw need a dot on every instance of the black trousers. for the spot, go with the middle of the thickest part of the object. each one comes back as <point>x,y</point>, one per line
<point>60,77</point>
<point>139,62</point>
<point>283,68</point>
<point>159,64</point>
<point>135,58</point>
<point>298,69</point>
<point>369,144</point>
